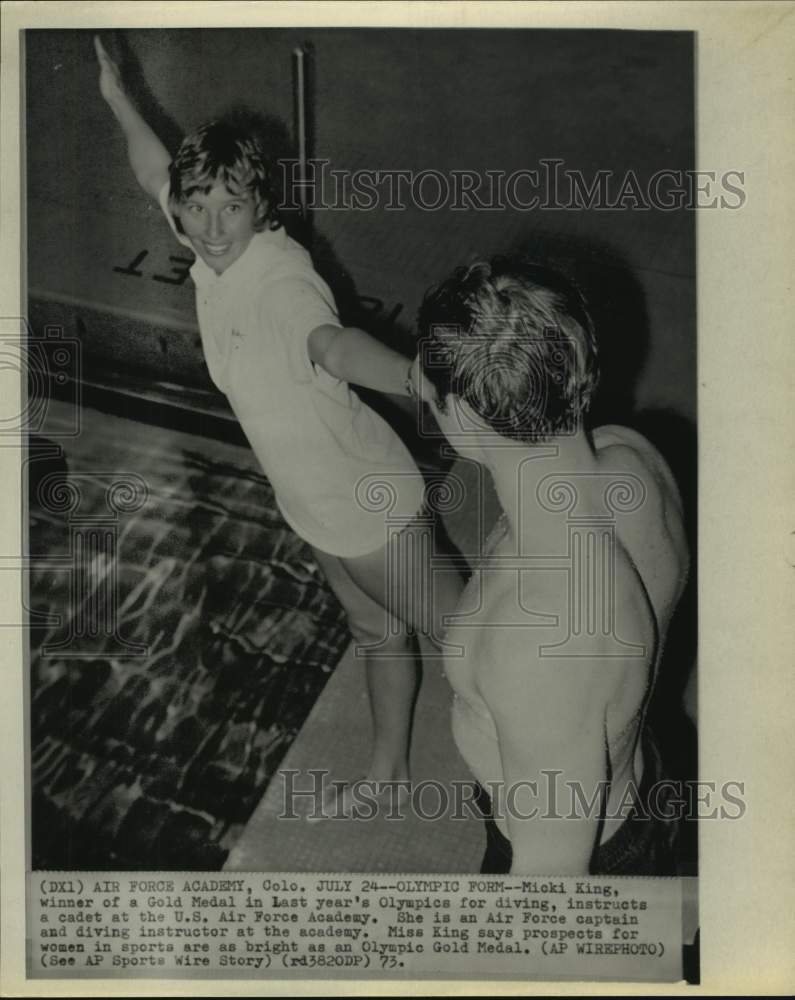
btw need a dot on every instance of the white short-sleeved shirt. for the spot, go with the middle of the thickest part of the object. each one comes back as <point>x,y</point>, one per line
<point>338,470</point>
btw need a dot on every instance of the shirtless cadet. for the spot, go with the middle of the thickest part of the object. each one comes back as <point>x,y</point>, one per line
<point>564,621</point>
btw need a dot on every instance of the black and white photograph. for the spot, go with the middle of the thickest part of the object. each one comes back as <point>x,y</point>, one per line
<point>360,486</point>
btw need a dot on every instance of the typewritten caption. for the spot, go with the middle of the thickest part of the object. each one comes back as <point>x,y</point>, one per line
<point>177,925</point>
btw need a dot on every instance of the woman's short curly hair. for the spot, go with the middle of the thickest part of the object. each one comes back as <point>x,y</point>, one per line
<point>230,150</point>
<point>515,341</point>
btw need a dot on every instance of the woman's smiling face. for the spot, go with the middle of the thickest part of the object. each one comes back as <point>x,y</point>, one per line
<point>219,224</point>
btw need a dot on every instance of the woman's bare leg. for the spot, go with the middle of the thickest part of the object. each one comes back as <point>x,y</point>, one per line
<point>415,584</point>
<point>389,594</point>
<point>392,686</point>
<point>418,593</point>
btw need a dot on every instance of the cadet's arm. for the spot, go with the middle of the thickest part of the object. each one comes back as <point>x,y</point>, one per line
<point>148,156</point>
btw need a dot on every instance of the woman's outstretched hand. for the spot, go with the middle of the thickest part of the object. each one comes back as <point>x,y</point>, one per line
<point>110,84</point>
<point>148,156</point>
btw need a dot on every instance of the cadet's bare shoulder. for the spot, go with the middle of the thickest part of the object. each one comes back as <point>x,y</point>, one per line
<point>623,446</point>
<point>655,533</point>
<point>624,450</point>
